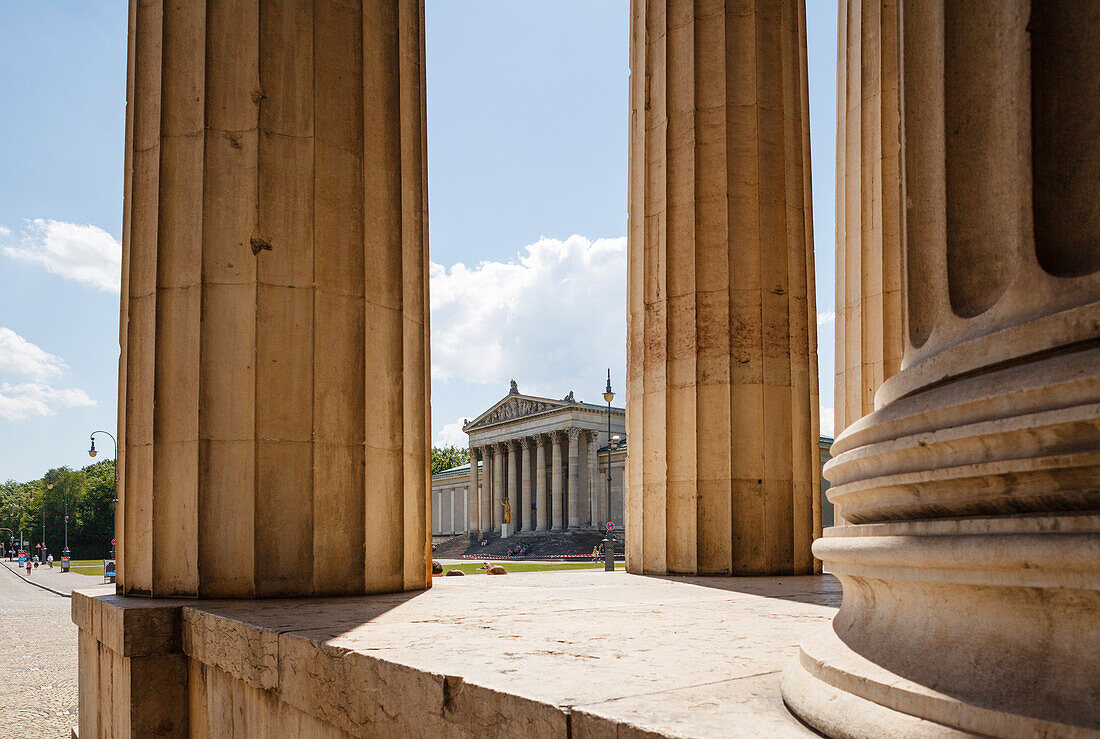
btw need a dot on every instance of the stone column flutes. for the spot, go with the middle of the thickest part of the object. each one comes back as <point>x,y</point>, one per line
<point>274,325</point>
<point>575,517</point>
<point>525,484</point>
<point>971,561</point>
<point>498,485</point>
<point>485,495</point>
<point>541,509</point>
<point>721,355</point>
<point>555,482</point>
<point>513,484</point>
<point>473,523</point>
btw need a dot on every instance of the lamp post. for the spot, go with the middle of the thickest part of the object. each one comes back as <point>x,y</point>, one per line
<point>114,503</point>
<point>608,541</point>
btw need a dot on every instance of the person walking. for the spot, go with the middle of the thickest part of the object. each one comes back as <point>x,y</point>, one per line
<point>28,565</point>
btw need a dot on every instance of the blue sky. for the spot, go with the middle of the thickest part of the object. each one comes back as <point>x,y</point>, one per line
<point>527,141</point>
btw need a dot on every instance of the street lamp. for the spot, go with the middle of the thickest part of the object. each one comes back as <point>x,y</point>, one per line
<point>608,541</point>
<point>114,503</point>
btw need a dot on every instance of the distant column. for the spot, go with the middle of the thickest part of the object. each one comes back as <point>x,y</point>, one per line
<point>513,486</point>
<point>575,516</point>
<point>471,497</point>
<point>436,495</point>
<point>485,492</point>
<point>540,483</point>
<point>592,439</point>
<point>721,364</point>
<point>274,308</point>
<point>498,485</point>
<point>525,484</point>
<point>555,481</point>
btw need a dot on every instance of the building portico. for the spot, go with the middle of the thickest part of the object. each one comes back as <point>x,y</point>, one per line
<point>515,438</point>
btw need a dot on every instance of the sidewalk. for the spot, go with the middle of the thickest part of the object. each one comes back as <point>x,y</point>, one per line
<point>56,581</point>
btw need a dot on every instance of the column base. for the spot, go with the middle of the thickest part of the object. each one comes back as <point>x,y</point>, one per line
<point>962,626</point>
<point>506,531</point>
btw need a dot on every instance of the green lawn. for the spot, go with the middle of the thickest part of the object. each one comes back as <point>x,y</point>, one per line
<point>83,566</point>
<point>471,567</point>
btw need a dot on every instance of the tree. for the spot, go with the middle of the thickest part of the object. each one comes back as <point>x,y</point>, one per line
<point>446,457</point>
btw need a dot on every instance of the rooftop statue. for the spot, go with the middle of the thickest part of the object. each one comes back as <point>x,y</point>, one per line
<point>514,389</point>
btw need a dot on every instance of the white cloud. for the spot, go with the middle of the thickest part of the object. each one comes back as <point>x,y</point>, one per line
<point>554,320</point>
<point>24,358</point>
<point>83,253</point>
<point>5,231</point>
<point>36,399</point>
<point>827,421</point>
<point>827,317</point>
<point>452,435</point>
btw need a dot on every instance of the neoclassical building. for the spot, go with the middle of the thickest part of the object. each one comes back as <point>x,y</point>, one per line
<point>532,439</point>
<point>546,458</point>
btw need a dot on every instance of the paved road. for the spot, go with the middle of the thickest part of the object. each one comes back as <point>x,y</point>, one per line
<point>37,661</point>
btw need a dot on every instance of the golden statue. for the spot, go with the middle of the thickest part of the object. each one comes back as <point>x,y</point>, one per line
<point>507,510</point>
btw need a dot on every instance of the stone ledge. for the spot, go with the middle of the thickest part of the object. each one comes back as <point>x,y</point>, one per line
<point>576,653</point>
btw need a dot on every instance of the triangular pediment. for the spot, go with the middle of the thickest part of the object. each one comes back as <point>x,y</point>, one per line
<point>512,407</point>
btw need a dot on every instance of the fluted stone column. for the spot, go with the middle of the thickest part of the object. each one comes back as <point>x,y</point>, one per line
<point>722,366</point>
<point>574,483</point>
<point>971,565</point>
<point>473,522</point>
<point>868,207</point>
<point>555,482</point>
<point>499,450</point>
<point>525,487</point>
<point>541,501</point>
<point>513,483</point>
<point>274,324</point>
<point>591,445</point>
<point>485,495</point>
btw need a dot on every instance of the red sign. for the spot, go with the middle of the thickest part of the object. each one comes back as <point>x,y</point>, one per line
<point>610,525</point>
<point>112,542</point>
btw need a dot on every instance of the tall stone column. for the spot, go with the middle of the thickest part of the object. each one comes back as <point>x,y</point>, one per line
<point>868,207</point>
<point>592,445</point>
<point>722,364</point>
<point>555,482</point>
<point>541,504</point>
<point>499,450</point>
<point>274,324</point>
<point>513,483</point>
<point>971,565</point>
<point>473,523</point>
<point>485,495</point>
<point>525,487</point>
<point>575,517</point>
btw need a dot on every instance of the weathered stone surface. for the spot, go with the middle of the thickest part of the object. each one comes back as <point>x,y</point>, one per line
<point>600,652</point>
<point>455,573</point>
<point>971,568</point>
<point>437,569</point>
<point>274,373</point>
<point>496,570</point>
<point>722,476</point>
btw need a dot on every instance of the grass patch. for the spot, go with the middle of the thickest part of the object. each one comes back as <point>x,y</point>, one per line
<point>83,566</point>
<point>471,568</point>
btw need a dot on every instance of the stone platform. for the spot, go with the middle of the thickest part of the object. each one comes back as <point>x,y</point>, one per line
<point>546,654</point>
